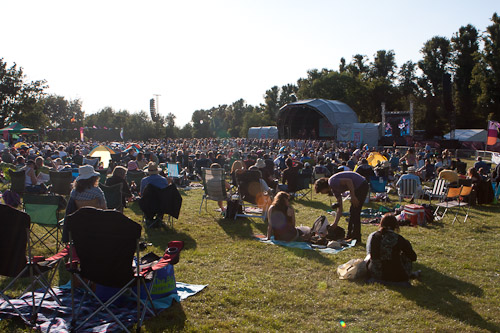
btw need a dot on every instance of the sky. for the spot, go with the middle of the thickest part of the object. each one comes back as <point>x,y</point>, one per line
<point>203,53</point>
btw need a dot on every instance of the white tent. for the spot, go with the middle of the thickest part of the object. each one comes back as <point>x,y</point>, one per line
<point>263,132</point>
<point>469,135</point>
<point>362,133</point>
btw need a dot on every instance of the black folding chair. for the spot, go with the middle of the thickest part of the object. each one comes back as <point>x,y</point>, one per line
<point>113,195</point>
<point>61,182</point>
<point>105,242</point>
<point>16,263</point>
<point>157,202</point>
<point>250,195</point>
<point>18,181</point>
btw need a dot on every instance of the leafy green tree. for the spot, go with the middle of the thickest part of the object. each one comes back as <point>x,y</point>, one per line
<point>186,131</point>
<point>63,113</point>
<point>170,129</point>
<point>465,45</point>
<point>408,79</point>
<point>17,95</point>
<point>275,98</point>
<point>486,74</point>
<point>358,66</point>
<point>384,65</point>
<point>434,65</point>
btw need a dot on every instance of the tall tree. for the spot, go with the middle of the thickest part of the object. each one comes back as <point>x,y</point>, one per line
<point>358,66</point>
<point>465,45</point>
<point>434,65</point>
<point>16,94</point>
<point>384,65</point>
<point>63,113</point>
<point>272,102</point>
<point>408,79</point>
<point>486,76</point>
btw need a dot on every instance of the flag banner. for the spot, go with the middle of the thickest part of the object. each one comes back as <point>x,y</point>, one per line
<point>121,133</point>
<point>81,134</point>
<point>492,132</point>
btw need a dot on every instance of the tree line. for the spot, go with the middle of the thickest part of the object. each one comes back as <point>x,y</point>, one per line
<point>456,81</point>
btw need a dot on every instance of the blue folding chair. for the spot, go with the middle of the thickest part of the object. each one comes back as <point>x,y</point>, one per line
<point>173,172</point>
<point>377,185</point>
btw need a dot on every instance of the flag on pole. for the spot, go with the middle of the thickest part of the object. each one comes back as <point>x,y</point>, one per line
<point>493,127</point>
<point>81,134</point>
<point>121,133</point>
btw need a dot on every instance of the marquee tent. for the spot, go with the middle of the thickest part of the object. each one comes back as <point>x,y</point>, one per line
<point>469,135</point>
<point>361,133</point>
<point>16,128</point>
<point>263,132</point>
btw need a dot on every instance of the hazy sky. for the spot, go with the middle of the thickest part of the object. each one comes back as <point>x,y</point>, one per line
<point>200,54</point>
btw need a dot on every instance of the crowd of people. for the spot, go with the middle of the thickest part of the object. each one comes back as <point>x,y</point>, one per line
<point>335,167</point>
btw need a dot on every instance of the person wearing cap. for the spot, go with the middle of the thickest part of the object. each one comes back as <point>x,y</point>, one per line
<point>86,187</point>
<point>154,178</point>
<point>358,190</point>
<point>411,175</point>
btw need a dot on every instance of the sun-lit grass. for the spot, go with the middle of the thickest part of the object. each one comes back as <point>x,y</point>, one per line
<point>258,287</point>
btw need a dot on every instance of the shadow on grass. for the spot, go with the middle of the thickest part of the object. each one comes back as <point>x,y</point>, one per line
<point>172,319</point>
<point>437,292</point>
<point>162,236</point>
<point>241,227</point>
<point>313,204</point>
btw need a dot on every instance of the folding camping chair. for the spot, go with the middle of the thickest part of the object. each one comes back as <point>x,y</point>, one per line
<point>377,185</point>
<point>113,195</point>
<point>17,181</point>
<point>450,201</point>
<point>44,212</point>
<point>303,187</point>
<point>105,242</point>
<point>408,189</point>
<point>103,175</point>
<point>61,182</point>
<point>157,202</point>
<point>92,161</point>
<point>16,263</point>
<point>251,196</point>
<point>464,202</point>
<point>136,177</point>
<point>438,189</point>
<point>214,186</point>
<point>173,172</point>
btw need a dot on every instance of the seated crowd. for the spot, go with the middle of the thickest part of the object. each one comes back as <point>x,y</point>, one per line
<point>281,164</point>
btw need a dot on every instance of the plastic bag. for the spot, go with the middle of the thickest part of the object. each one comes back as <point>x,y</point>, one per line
<point>352,270</point>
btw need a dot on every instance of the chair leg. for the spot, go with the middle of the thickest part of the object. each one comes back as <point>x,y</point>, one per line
<point>201,205</point>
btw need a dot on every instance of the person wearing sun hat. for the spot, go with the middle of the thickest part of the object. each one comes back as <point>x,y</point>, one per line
<point>153,177</point>
<point>86,186</point>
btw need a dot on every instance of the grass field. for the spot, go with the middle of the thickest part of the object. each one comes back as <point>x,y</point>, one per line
<point>255,287</point>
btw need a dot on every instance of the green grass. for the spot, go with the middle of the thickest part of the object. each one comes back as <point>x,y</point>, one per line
<point>258,287</point>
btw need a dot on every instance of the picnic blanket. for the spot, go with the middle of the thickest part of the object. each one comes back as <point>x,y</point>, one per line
<point>303,245</point>
<point>55,318</point>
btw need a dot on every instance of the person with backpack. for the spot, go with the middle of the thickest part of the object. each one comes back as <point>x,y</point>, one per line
<point>389,254</point>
